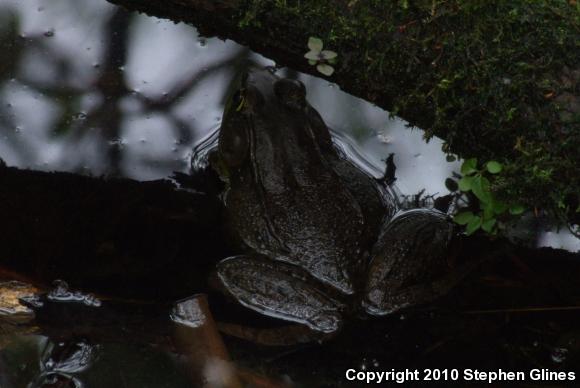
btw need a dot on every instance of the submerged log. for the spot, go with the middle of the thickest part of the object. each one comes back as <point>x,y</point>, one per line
<point>117,236</point>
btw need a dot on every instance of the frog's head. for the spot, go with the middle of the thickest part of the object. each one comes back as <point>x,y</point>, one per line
<point>268,125</point>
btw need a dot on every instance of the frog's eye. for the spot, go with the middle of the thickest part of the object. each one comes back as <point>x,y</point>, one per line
<point>233,146</point>
<point>253,98</point>
<point>238,100</point>
<point>291,93</point>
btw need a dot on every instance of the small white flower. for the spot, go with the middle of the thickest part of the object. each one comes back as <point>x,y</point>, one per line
<point>321,58</point>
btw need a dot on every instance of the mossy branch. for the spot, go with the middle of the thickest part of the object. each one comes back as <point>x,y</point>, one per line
<point>496,80</point>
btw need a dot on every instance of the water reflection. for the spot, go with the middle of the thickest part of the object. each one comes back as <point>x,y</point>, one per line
<point>131,104</point>
<point>37,361</point>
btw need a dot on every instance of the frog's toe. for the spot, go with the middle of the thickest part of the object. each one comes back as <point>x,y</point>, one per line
<point>378,303</point>
<point>325,322</point>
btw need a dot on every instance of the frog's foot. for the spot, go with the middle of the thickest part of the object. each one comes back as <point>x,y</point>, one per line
<point>408,265</point>
<point>380,303</point>
<point>280,336</point>
<point>281,291</point>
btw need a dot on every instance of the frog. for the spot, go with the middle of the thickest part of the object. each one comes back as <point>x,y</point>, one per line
<point>322,239</point>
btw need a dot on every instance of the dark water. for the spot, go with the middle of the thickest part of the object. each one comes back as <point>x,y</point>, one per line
<point>85,87</point>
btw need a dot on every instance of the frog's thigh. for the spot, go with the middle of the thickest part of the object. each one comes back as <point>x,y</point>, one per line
<point>407,257</point>
<point>420,293</point>
<point>279,290</point>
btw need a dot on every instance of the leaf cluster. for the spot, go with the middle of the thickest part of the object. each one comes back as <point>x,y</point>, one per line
<point>490,209</point>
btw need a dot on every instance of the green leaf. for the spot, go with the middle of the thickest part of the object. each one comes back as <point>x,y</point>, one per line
<point>494,167</point>
<point>328,54</point>
<point>325,69</point>
<point>451,184</point>
<point>463,218</point>
<point>499,207</point>
<point>312,62</point>
<point>488,225</point>
<point>469,166</point>
<point>465,183</point>
<point>480,187</point>
<point>473,225</point>
<point>315,44</point>
<point>488,212</point>
<point>517,209</point>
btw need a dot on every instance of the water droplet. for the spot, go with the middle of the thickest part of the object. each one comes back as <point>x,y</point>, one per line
<point>202,42</point>
<point>143,140</point>
<point>40,9</point>
<point>96,65</point>
<point>49,33</point>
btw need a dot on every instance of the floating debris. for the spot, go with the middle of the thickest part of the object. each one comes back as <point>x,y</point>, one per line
<point>62,293</point>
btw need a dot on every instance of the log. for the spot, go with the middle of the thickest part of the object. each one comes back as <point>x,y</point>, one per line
<point>110,235</point>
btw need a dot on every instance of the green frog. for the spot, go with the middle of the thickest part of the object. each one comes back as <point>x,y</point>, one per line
<point>322,238</point>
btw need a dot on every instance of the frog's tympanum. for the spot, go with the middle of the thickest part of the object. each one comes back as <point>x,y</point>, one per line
<point>309,218</point>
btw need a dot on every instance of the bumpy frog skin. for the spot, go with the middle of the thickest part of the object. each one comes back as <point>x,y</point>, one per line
<point>309,217</point>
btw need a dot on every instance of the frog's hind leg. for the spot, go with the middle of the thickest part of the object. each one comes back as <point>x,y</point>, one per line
<point>421,293</point>
<point>280,290</point>
<point>409,265</point>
